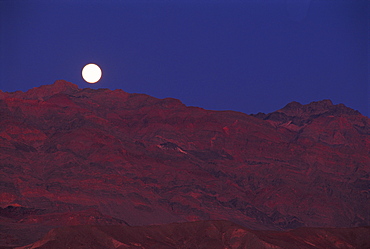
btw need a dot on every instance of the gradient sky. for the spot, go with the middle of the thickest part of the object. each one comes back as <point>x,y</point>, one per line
<point>248,56</point>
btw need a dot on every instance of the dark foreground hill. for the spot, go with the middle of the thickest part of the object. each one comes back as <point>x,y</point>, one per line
<point>201,235</point>
<point>72,156</point>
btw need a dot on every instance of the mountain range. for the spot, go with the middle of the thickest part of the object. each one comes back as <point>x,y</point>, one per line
<point>104,158</point>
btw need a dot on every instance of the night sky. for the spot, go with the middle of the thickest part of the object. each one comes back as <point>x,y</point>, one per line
<point>248,56</point>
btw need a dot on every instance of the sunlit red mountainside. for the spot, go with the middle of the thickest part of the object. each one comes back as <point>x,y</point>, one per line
<point>71,156</point>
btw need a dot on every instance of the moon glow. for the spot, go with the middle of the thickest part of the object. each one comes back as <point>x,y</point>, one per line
<point>91,73</point>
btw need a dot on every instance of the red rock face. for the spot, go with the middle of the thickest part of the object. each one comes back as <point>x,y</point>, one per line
<point>139,160</point>
<point>201,234</point>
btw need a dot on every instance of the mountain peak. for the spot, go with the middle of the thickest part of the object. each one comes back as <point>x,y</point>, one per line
<point>316,108</point>
<point>296,108</point>
<point>59,86</point>
<point>300,114</point>
<point>63,84</point>
<point>44,91</point>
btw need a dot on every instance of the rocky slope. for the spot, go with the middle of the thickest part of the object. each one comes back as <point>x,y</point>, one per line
<point>200,234</point>
<point>84,156</point>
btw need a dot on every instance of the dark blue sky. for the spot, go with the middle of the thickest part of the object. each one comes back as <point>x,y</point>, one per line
<point>246,56</point>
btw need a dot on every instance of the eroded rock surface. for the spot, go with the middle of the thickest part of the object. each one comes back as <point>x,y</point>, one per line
<point>201,234</point>
<point>111,157</point>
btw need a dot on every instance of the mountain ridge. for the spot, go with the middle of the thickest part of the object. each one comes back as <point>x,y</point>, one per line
<point>140,160</point>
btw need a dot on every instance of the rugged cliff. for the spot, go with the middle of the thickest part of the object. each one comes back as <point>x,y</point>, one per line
<point>73,156</point>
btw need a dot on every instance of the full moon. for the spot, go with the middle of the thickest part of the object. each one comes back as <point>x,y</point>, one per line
<point>91,73</point>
